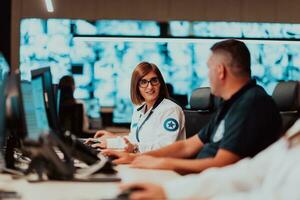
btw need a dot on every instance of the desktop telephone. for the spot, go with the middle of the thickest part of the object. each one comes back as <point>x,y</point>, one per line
<point>45,159</point>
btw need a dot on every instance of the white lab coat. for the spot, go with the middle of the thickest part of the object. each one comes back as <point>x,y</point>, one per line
<point>272,174</point>
<point>158,129</point>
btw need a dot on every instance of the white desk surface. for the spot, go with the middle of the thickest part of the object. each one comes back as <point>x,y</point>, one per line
<point>65,190</point>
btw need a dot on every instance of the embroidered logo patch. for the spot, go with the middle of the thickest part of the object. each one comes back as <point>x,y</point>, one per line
<point>171,124</point>
<point>219,132</point>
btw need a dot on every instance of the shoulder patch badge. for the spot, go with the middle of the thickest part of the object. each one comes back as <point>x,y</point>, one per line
<point>219,132</point>
<point>171,124</point>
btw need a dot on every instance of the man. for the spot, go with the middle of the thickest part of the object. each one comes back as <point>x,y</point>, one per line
<point>272,174</point>
<point>246,122</point>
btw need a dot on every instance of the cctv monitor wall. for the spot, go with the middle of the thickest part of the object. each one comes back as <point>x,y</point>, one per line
<point>101,55</point>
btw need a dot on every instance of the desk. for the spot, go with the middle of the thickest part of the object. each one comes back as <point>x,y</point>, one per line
<point>64,190</point>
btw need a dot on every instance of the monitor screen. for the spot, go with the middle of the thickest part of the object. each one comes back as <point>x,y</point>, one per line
<point>51,105</point>
<point>14,106</point>
<point>4,67</point>
<point>2,112</point>
<point>34,108</point>
<point>58,94</point>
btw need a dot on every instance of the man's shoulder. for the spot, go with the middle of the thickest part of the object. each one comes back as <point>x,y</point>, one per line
<point>254,100</point>
<point>256,91</point>
<point>256,94</point>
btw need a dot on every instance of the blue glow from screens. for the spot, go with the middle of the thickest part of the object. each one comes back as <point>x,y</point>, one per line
<point>107,65</point>
<point>34,108</point>
<point>180,28</point>
<point>92,107</point>
<point>127,27</point>
<point>58,94</point>
<point>4,68</point>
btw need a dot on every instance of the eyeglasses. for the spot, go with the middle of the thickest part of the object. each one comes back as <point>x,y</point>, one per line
<point>144,83</point>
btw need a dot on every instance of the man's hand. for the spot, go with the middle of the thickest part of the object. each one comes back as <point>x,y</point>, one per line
<point>104,134</point>
<point>120,157</point>
<point>150,162</point>
<point>145,191</point>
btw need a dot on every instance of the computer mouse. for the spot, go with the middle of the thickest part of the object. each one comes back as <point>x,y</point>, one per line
<point>124,195</point>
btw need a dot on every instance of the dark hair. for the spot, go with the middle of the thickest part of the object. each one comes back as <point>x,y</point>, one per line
<point>239,53</point>
<point>141,70</point>
<point>170,88</point>
<point>66,86</point>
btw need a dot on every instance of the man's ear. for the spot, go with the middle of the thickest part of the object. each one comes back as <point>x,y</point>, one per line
<point>221,70</point>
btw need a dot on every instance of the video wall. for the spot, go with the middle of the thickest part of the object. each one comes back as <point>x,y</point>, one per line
<point>101,58</point>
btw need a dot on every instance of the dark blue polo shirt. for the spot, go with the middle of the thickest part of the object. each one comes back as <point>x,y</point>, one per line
<point>245,124</point>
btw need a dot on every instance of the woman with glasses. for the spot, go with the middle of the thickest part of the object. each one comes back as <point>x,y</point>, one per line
<point>156,120</point>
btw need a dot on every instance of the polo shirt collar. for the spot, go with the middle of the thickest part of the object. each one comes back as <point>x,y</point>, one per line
<point>158,101</point>
<point>251,83</point>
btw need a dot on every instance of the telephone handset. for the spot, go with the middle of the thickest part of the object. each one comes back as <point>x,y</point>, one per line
<point>50,157</point>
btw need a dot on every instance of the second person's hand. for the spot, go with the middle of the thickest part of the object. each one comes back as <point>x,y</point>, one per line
<point>130,148</point>
<point>104,134</point>
<point>150,162</point>
<point>102,144</point>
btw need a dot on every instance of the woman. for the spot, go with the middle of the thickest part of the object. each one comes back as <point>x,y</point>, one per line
<point>156,120</point>
<point>67,88</point>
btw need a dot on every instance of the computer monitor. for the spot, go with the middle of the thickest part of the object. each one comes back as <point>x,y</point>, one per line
<point>34,109</point>
<point>77,149</point>
<point>57,93</point>
<point>15,113</point>
<point>57,96</point>
<point>4,67</point>
<point>51,105</point>
<point>15,122</point>
<point>3,81</point>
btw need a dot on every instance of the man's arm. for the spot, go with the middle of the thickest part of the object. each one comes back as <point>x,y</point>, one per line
<point>180,149</point>
<point>222,159</point>
<point>185,166</point>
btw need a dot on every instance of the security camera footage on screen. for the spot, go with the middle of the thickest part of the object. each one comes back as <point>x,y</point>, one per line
<point>102,67</point>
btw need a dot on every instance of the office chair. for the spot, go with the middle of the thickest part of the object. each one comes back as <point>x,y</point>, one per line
<point>180,99</point>
<point>71,118</point>
<point>287,97</point>
<point>202,104</point>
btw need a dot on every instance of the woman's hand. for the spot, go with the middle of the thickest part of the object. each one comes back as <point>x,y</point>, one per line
<point>130,148</point>
<point>102,144</point>
<point>104,134</point>
<point>96,142</point>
